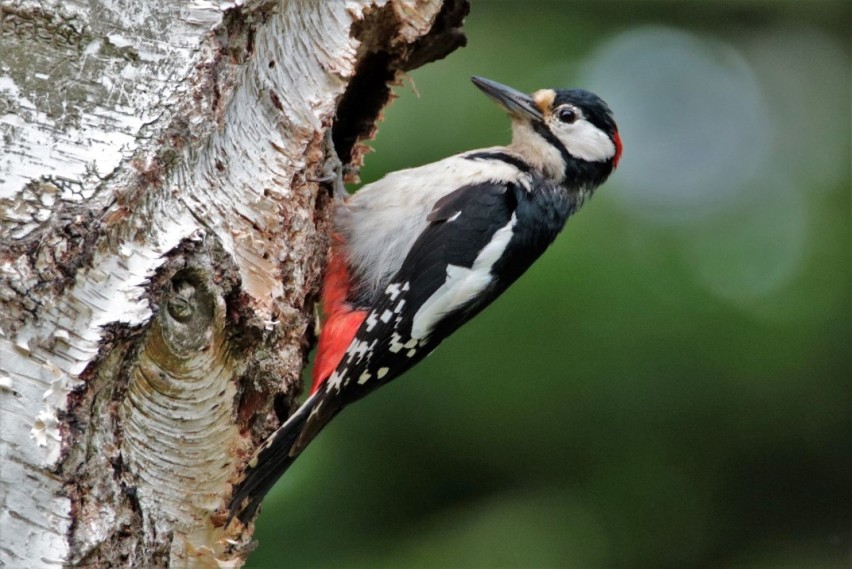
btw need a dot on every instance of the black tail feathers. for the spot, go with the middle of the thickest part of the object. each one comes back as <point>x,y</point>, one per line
<point>268,464</point>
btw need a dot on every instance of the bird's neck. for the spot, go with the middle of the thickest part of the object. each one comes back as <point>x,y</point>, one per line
<point>540,154</point>
<point>549,158</point>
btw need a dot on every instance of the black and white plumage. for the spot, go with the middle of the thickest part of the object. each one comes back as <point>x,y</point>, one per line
<point>423,250</point>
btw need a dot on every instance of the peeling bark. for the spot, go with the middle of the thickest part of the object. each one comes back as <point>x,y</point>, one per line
<point>162,238</point>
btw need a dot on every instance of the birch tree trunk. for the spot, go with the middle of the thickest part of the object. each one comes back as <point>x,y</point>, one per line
<point>165,192</point>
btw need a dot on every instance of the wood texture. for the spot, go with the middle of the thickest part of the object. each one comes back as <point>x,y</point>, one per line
<point>163,229</point>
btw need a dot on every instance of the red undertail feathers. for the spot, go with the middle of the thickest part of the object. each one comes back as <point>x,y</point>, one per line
<point>341,320</point>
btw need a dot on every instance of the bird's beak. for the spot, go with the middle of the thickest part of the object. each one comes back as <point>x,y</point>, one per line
<point>518,104</point>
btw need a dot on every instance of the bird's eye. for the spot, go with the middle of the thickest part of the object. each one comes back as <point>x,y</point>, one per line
<point>566,115</point>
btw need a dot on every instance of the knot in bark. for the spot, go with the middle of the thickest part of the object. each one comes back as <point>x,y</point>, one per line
<point>186,323</point>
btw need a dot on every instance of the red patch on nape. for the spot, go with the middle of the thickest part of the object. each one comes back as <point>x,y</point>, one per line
<point>618,148</point>
<point>341,320</point>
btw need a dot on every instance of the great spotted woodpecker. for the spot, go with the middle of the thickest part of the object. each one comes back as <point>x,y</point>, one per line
<point>421,251</point>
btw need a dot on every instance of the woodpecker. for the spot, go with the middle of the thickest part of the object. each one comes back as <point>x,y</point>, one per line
<point>420,252</point>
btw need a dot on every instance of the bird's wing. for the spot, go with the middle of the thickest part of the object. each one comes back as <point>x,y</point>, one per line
<point>444,273</point>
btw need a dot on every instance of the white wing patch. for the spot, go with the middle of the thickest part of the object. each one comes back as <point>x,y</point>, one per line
<point>395,344</point>
<point>392,291</point>
<point>371,322</point>
<point>336,380</point>
<point>462,284</point>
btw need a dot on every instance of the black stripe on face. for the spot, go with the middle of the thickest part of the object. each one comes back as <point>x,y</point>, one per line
<point>545,133</point>
<point>576,171</point>
<point>503,157</point>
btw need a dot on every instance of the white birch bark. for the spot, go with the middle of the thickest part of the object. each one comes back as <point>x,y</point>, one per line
<point>162,236</point>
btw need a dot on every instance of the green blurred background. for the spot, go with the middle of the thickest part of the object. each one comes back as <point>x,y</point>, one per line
<point>669,386</point>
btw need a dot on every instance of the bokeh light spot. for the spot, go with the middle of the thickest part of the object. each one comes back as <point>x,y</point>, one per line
<point>750,254</point>
<point>692,119</point>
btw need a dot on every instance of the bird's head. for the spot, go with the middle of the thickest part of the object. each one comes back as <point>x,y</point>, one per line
<point>567,134</point>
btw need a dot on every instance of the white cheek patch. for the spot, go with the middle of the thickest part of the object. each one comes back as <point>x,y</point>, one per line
<point>585,141</point>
